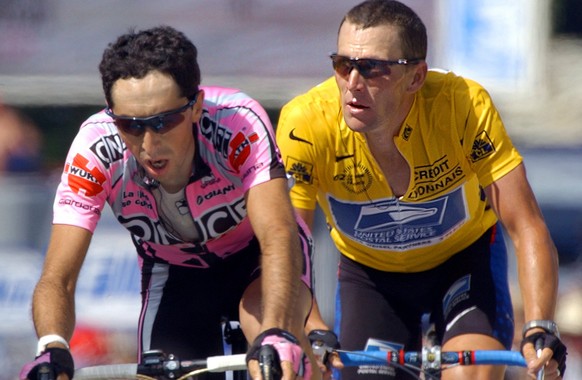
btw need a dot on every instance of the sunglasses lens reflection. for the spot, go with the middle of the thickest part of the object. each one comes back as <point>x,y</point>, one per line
<point>136,127</point>
<point>130,127</point>
<point>368,68</point>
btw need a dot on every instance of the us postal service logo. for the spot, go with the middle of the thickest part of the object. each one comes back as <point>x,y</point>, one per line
<point>395,225</point>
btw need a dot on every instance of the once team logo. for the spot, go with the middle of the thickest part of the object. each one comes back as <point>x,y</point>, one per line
<point>109,149</point>
<point>83,178</point>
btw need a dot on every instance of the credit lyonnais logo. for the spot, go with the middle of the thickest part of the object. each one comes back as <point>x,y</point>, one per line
<point>300,171</point>
<point>482,147</point>
<point>407,131</point>
<point>438,177</point>
<point>84,178</point>
<point>392,224</point>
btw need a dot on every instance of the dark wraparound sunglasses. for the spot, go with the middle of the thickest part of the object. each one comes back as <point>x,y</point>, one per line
<point>159,123</point>
<point>367,67</point>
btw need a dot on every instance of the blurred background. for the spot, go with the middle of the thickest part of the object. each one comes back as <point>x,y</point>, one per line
<point>526,52</point>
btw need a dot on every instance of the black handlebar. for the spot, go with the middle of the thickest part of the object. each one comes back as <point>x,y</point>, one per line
<point>269,363</point>
<point>45,372</point>
<point>156,364</point>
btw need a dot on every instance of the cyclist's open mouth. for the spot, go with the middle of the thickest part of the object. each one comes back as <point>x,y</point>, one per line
<point>158,164</point>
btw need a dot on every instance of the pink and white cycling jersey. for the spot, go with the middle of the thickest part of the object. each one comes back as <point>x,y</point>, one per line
<point>236,150</point>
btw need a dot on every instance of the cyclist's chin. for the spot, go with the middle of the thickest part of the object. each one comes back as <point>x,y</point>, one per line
<point>357,124</point>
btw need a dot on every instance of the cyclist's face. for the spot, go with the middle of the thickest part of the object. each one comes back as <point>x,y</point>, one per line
<point>369,104</point>
<point>166,157</point>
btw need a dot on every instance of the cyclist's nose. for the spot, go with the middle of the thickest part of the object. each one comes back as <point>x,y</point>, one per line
<point>150,139</point>
<point>355,79</point>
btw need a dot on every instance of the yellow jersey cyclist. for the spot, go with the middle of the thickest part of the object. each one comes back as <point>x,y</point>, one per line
<point>415,174</point>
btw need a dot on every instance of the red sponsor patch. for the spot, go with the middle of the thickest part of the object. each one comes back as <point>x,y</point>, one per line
<point>240,146</point>
<point>83,179</point>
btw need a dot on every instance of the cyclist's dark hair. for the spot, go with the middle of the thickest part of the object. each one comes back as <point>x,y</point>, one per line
<point>163,48</point>
<point>373,13</point>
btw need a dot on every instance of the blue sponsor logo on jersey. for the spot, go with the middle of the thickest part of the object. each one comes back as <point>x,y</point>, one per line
<point>395,225</point>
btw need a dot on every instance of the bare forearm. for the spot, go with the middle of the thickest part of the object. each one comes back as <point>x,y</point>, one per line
<point>53,309</point>
<point>53,303</point>
<point>315,320</point>
<point>280,280</point>
<point>514,203</point>
<point>285,300</point>
<point>538,277</point>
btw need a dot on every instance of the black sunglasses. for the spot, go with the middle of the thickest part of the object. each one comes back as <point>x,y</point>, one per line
<point>160,123</point>
<point>367,67</point>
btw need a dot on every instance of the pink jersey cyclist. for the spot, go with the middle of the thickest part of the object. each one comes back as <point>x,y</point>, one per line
<point>235,151</point>
<point>196,178</point>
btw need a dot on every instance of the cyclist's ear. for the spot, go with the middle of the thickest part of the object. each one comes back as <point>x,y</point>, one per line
<point>197,107</point>
<point>417,76</point>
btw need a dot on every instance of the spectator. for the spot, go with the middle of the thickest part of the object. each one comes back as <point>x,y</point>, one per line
<point>20,142</point>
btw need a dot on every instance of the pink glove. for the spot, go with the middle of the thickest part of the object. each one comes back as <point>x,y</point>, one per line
<point>287,347</point>
<point>58,360</point>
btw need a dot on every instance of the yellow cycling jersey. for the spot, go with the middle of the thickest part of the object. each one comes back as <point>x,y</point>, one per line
<point>455,144</point>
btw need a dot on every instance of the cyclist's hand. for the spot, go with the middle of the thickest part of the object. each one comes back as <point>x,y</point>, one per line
<point>53,364</point>
<point>324,343</point>
<point>552,357</point>
<point>294,363</point>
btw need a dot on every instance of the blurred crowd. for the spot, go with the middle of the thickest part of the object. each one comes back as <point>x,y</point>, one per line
<point>20,142</point>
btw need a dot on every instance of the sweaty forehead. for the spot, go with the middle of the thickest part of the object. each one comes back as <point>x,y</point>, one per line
<point>381,42</point>
<point>156,92</point>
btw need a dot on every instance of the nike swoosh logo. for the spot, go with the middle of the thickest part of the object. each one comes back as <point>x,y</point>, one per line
<point>340,158</point>
<point>293,137</point>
